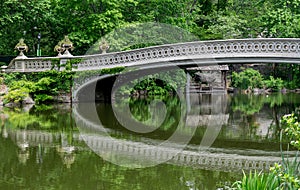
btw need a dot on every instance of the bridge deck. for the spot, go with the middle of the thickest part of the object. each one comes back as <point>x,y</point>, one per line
<point>188,54</point>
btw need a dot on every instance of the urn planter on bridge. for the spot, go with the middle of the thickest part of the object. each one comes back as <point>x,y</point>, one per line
<point>21,47</point>
<point>63,47</point>
<point>104,46</point>
<point>59,49</point>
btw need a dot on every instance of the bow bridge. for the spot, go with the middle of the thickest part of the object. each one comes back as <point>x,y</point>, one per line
<point>158,58</point>
<point>260,50</point>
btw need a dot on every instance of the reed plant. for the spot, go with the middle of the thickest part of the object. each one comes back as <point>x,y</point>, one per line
<point>282,176</point>
<point>257,181</point>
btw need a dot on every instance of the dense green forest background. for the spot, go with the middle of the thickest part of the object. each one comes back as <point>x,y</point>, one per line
<point>86,21</point>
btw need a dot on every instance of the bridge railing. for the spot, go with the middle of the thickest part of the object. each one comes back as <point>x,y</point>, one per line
<point>285,48</point>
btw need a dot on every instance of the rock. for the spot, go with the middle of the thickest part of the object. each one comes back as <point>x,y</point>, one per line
<point>12,104</point>
<point>261,91</point>
<point>27,107</point>
<point>256,91</point>
<point>63,98</point>
<point>28,100</point>
<point>3,89</point>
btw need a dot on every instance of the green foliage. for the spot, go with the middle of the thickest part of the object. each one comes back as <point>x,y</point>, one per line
<point>153,86</point>
<point>281,18</point>
<point>287,173</point>
<point>281,176</point>
<point>72,63</point>
<point>293,79</point>
<point>55,63</point>
<point>40,117</point>
<point>258,181</point>
<point>16,95</point>
<point>2,63</point>
<point>249,78</point>
<point>156,84</point>
<point>40,98</point>
<point>143,110</point>
<point>9,78</point>
<point>290,123</point>
<point>19,90</point>
<point>91,20</point>
<point>247,103</point>
<point>275,84</point>
<point>40,86</point>
<point>226,26</point>
<point>22,84</point>
<point>138,35</point>
<point>114,70</point>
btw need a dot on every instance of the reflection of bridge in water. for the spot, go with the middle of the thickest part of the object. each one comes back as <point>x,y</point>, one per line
<point>145,149</point>
<point>212,159</point>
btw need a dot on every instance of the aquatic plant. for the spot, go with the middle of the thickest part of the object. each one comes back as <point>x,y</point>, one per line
<point>257,181</point>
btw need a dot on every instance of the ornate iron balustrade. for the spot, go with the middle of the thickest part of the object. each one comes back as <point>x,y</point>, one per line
<point>206,52</point>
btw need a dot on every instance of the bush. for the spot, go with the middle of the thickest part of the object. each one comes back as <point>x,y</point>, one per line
<point>16,95</point>
<point>275,84</point>
<point>41,90</point>
<point>248,78</point>
<point>18,91</point>
<point>39,98</point>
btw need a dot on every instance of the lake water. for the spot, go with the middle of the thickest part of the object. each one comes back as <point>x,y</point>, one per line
<point>99,146</point>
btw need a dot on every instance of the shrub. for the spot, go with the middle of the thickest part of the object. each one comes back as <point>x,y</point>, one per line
<point>275,84</point>
<point>18,91</point>
<point>248,78</point>
<point>41,90</point>
<point>16,95</point>
<point>39,98</point>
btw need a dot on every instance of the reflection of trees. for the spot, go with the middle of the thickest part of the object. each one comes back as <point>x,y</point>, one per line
<point>39,117</point>
<point>66,148</point>
<point>247,103</point>
<point>91,172</point>
<point>244,110</point>
<point>247,111</point>
<point>140,111</point>
<point>3,131</point>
